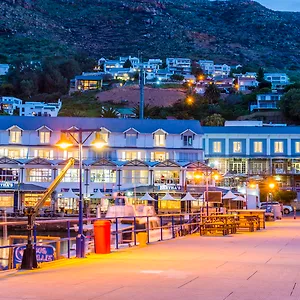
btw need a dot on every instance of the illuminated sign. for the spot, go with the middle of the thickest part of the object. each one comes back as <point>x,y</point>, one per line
<point>168,187</point>
<point>6,185</point>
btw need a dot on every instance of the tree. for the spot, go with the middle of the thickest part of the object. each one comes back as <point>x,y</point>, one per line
<point>290,104</point>
<point>127,64</point>
<point>196,69</point>
<point>148,111</point>
<point>285,197</point>
<point>214,120</point>
<point>264,84</point>
<point>108,112</point>
<point>212,94</point>
<point>260,75</point>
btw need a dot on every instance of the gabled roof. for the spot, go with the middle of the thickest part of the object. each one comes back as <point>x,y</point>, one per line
<point>6,160</point>
<point>198,165</point>
<point>15,126</point>
<point>38,161</point>
<point>114,125</point>
<point>136,163</point>
<point>103,162</point>
<point>168,163</point>
<point>131,129</point>
<point>63,162</point>
<point>44,127</point>
<point>183,132</point>
<point>160,129</point>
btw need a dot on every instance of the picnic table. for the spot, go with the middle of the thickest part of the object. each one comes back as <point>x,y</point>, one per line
<point>218,223</point>
<point>243,214</point>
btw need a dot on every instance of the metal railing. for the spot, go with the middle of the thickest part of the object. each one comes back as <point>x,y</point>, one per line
<point>124,233</point>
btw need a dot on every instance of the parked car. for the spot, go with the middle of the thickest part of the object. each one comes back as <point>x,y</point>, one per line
<point>285,209</point>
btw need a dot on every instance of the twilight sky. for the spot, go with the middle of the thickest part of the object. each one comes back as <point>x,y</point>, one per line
<point>287,5</point>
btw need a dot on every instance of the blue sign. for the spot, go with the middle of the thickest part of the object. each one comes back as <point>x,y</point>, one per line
<point>43,254</point>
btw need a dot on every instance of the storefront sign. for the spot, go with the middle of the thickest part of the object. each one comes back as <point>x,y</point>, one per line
<point>163,187</point>
<point>6,185</point>
<point>43,254</point>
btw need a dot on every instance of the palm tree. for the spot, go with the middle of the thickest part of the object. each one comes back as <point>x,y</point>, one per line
<point>108,112</point>
<point>148,111</point>
<point>212,94</point>
<point>214,120</point>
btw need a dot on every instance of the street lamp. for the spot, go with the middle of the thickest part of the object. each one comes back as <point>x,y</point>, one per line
<point>207,173</point>
<point>65,143</point>
<point>271,187</point>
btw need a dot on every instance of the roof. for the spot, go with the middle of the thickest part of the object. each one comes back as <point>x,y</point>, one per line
<point>89,77</point>
<point>114,125</point>
<point>125,111</point>
<point>251,130</point>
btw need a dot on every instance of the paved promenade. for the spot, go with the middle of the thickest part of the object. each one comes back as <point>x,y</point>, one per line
<point>247,266</point>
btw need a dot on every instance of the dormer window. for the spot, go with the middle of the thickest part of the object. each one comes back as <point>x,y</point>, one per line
<point>188,138</point>
<point>44,133</point>
<point>104,134</point>
<point>160,138</point>
<point>15,135</point>
<point>131,136</point>
<point>44,137</point>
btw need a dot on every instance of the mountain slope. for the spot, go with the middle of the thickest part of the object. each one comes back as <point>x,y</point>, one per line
<point>228,31</point>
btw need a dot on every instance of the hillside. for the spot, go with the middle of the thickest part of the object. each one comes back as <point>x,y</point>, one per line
<point>235,31</point>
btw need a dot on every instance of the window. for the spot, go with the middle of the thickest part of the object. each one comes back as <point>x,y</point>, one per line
<point>44,137</point>
<point>135,176</point>
<point>159,156</point>
<point>16,153</point>
<point>3,152</point>
<point>69,154</point>
<point>39,175</point>
<point>72,175</point>
<point>217,147</point>
<point>7,174</point>
<point>297,147</point>
<point>188,140</point>
<point>108,176</point>
<point>6,200</point>
<point>131,139</point>
<point>130,155</point>
<point>188,156</point>
<point>159,140</point>
<point>278,147</point>
<point>237,147</point>
<point>166,177</point>
<point>15,136</point>
<point>258,147</point>
<point>42,153</point>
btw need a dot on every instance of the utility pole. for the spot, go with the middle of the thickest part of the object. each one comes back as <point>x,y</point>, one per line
<point>142,82</point>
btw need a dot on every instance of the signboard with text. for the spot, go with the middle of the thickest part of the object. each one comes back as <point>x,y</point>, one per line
<point>43,254</point>
<point>169,187</point>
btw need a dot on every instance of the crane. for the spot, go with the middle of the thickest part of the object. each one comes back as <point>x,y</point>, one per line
<point>29,256</point>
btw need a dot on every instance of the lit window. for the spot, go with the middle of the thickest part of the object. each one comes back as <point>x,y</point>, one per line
<point>135,176</point>
<point>48,154</point>
<point>39,175</point>
<point>108,176</point>
<point>69,154</point>
<point>258,147</point>
<point>217,147</point>
<point>188,140</point>
<point>72,175</point>
<point>130,155</point>
<point>44,137</point>
<point>159,156</point>
<point>237,147</point>
<point>15,136</point>
<point>159,140</point>
<point>297,147</point>
<point>278,147</point>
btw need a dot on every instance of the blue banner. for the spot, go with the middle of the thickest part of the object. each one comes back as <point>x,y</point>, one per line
<point>43,254</point>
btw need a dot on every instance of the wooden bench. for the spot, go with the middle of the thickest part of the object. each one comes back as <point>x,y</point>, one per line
<point>224,224</point>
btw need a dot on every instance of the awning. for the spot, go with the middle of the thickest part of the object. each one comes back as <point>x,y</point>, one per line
<point>167,196</point>
<point>69,194</point>
<point>239,198</point>
<point>188,197</point>
<point>147,197</point>
<point>229,195</point>
<point>98,195</point>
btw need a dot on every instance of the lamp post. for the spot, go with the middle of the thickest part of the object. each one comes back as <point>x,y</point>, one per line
<point>271,187</point>
<point>206,173</point>
<point>65,143</point>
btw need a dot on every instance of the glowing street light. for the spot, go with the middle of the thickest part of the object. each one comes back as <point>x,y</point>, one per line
<point>64,143</point>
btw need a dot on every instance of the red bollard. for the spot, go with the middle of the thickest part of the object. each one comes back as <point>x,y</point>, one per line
<point>294,212</point>
<point>102,237</point>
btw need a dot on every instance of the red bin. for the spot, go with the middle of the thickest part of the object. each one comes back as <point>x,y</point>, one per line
<point>102,236</point>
